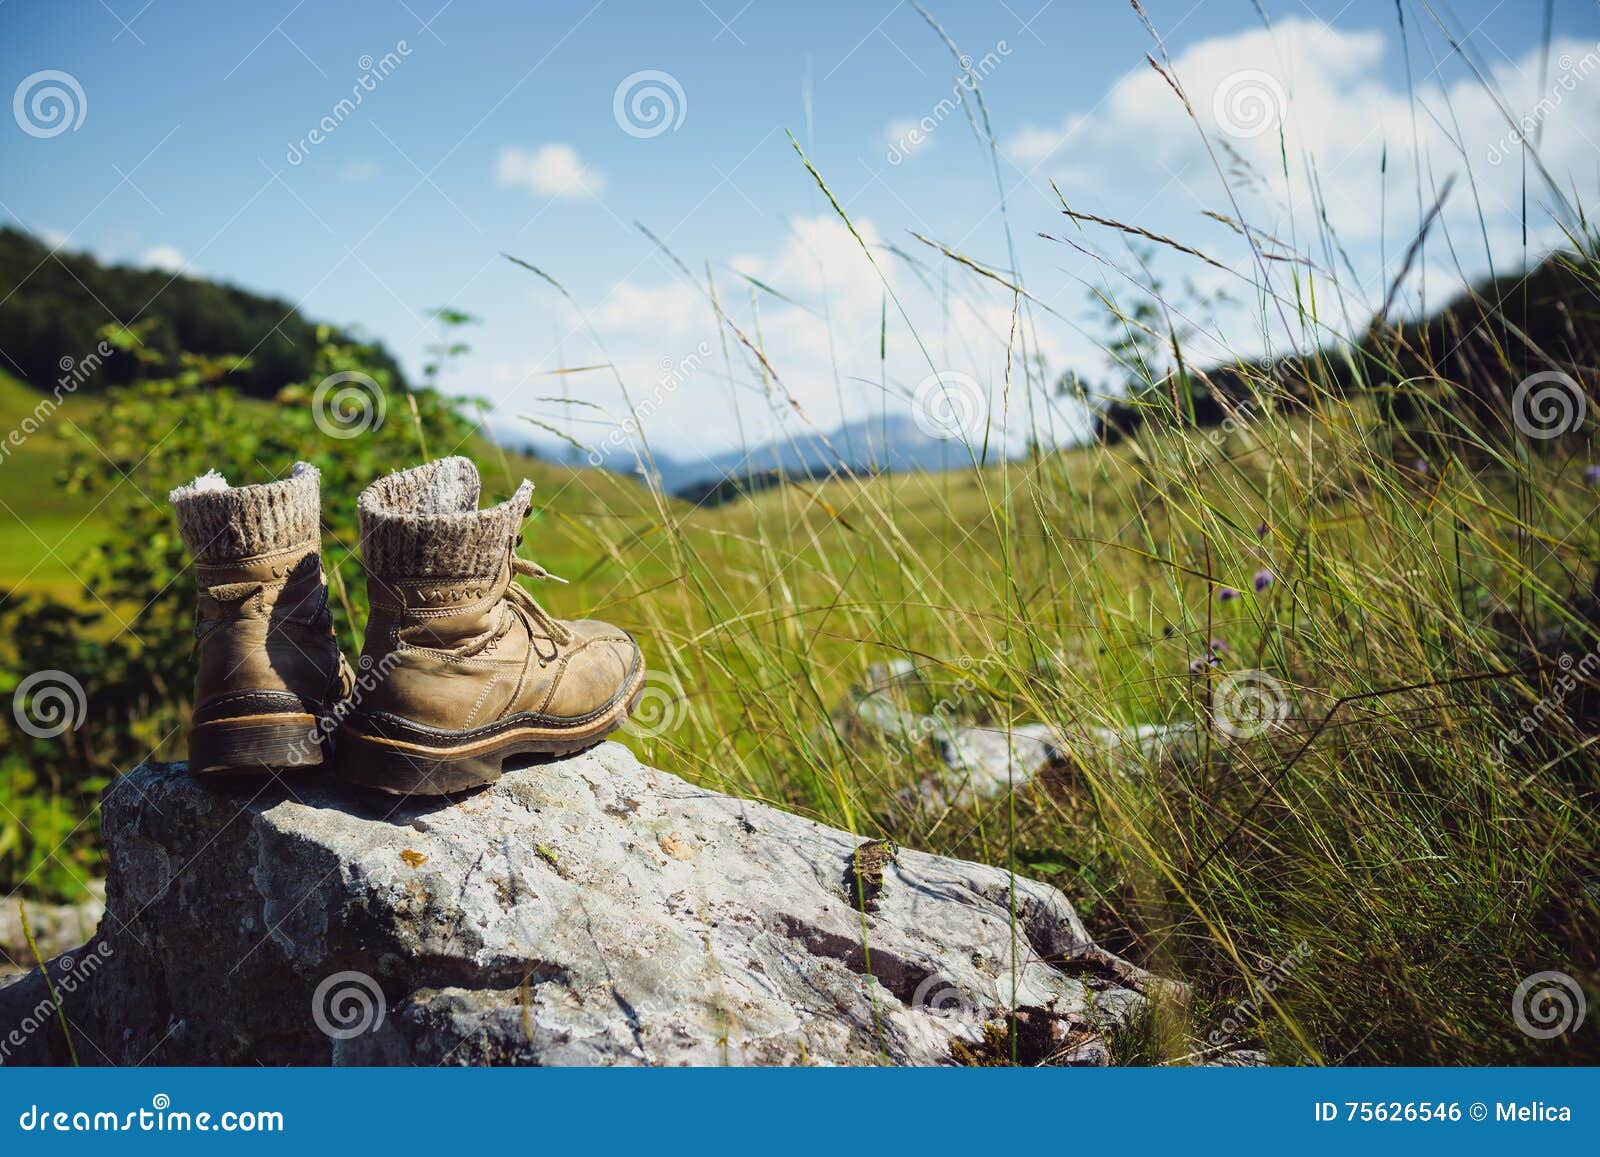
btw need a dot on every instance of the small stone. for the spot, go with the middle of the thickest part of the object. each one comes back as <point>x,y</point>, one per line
<point>675,847</point>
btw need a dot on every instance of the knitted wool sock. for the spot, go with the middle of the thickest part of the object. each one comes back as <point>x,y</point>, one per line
<point>425,522</point>
<point>219,522</point>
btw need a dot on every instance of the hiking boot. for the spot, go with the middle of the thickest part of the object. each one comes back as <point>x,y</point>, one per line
<point>268,666</point>
<point>462,669</point>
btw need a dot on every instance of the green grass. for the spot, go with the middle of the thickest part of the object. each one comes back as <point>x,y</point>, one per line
<point>1374,838</point>
<point>43,528</point>
<point>1423,879</point>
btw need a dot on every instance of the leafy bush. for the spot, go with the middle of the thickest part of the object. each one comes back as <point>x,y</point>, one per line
<point>127,642</point>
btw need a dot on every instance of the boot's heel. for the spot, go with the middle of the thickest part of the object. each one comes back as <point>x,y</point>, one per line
<point>407,770</point>
<point>255,745</point>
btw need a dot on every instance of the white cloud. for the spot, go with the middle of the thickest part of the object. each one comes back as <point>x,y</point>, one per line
<point>821,339</point>
<point>1353,140</point>
<point>354,172</point>
<point>901,138</point>
<point>1355,143</point>
<point>167,258</point>
<point>548,171</point>
<point>1354,149</point>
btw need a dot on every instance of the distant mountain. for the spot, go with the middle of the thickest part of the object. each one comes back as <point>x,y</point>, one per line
<point>53,302</point>
<point>887,445</point>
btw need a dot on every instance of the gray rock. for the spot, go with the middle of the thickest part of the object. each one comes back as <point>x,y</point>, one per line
<point>977,762</point>
<point>587,911</point>
<point>56,928</point>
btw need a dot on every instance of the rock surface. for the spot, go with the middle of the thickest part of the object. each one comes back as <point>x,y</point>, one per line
<point>587,911</point>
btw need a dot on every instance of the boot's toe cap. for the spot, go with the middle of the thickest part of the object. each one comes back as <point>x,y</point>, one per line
<point>604,660</point>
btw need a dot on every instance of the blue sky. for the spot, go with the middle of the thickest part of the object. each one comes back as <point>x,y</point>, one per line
<point>495,129</point>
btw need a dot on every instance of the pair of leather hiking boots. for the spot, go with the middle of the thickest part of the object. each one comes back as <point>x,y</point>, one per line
<point>461,669</point>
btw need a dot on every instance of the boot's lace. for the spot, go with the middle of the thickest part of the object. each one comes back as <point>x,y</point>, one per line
<point>527,604</point>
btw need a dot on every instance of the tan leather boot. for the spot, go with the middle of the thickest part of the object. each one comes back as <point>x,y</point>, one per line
<point>268,667</point>
<point>462,669</point>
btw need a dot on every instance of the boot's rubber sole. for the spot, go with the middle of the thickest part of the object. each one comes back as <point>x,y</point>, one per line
<point>254,744</point>
<point>391,754</point>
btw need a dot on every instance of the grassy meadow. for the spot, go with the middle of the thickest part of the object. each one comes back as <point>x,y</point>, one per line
<point>1365,881</point>
<point>1371,836</point>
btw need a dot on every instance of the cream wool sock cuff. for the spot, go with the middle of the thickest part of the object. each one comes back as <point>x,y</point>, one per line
<point>425,523</point>
<point>218,521</point>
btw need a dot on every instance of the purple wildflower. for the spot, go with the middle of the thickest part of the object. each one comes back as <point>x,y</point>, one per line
<point>1220,647</point>
<point>1591,475</point>
<point>1227,595</point>
<point>1262,530</point>
<point>1420,465</point>
<point>1263,579</point>
<point>1209,659</point>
